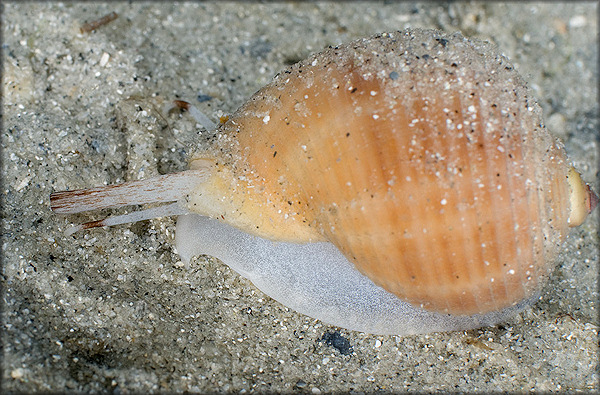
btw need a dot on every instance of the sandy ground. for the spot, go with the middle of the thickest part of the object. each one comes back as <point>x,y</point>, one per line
<point>115,310</point>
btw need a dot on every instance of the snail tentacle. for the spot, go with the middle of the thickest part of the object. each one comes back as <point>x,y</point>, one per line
<point>198,115</point>
<point>161,189</point>
<point>136,216</point>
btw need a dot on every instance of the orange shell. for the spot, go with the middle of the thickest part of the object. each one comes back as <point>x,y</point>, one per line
<point>420,155</point>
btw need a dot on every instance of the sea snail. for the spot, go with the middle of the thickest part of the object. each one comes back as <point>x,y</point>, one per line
<point>402,183</point>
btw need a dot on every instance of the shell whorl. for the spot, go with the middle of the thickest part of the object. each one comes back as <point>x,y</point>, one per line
<point>420,155</point>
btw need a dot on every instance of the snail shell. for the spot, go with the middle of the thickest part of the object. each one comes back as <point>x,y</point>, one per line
<point>420,156</point>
